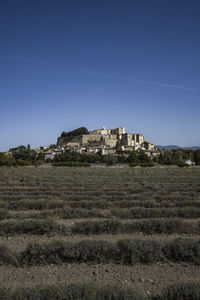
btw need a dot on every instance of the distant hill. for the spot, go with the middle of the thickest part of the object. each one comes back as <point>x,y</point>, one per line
<point>175,147</point>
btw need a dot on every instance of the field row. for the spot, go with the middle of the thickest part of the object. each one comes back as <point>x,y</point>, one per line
<point>50,227</point>
<point>42,204</point>
<point>24,189</point>
<point>109,224</point>
<point>124,251</point>
<point>87,178</point>
<point>183,291</point>
<point>121,213</point>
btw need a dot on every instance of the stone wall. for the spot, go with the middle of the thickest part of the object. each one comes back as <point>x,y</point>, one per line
<point>107,137</point>
<point>110,139</point>
<point>91,137</point>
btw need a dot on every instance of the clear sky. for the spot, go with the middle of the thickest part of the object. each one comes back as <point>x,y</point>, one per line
<point>71,63</point>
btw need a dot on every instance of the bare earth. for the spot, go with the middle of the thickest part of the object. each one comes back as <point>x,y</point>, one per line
<point>173,185</point>
<point>147,279</point>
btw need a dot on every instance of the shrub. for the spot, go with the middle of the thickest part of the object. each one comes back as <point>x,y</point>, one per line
<point>183,249</point>
<point>182,164</point>
<point>128,251</point>
<point>28,204</point>
<point>132,251</point>
<point>7,257</point>
<point>35,204</point>
<point>30,227</point>
<point>70,213</point>
<point>160,226</point>
<point>3,213</point>
<point>141,212</point>
<point>41,253</point>
<point>71,164</point>
<point>62,251</point>
<point>134,164</point>
<point>109,160</point>
<point>71,292</point>
<point>125,251</point>
<point>3,204</point>
<point>21,163</point>
<point>88,204</point>
<point>183,291</point>
<point>97,227</point>
<point>95,250</point>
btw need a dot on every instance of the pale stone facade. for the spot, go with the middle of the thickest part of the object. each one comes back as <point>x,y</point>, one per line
<point>104,131</point>
<point>102,138</point>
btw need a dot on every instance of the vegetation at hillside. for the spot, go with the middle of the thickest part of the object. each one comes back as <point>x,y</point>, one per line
<point>75,132</point>
<point>196,157</point>
<point>176,157</point>
<point>21,156</point>
<point>24,156</point>
<point>68,156</point>
<point>133,158</point>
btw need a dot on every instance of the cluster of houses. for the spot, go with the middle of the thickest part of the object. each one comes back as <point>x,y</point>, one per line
<point>100,141</point>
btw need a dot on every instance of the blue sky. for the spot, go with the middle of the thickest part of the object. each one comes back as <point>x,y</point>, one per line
<point>66,64</point>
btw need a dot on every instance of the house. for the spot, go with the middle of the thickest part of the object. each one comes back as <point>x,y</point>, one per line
<point>189,162</point>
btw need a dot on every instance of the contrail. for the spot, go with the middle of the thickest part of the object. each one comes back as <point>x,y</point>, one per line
<point>88,71</point>
<point>168,85</point>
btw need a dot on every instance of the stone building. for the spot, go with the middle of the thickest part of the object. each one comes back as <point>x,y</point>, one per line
<point>132,140</point>
<point>107,138</point>
<point>104,131</point>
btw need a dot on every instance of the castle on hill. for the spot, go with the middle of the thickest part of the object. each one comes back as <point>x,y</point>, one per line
<point>105,141</point>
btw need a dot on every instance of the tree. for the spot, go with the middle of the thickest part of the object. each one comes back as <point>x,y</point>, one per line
<point>177,156</point>
<point>197,157</point>
<point>133,157</point>
<point>166,158</point>
<point>24,153</point>
<point>75,132</point>
<point>143,158</point>
<point>5,159</point>
<point>110,160</point>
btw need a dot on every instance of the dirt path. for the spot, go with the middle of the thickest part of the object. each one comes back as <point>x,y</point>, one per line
<point>150,279</point>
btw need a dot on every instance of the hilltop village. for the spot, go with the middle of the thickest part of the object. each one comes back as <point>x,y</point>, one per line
<point>99,141</point>
<point>81,147</point>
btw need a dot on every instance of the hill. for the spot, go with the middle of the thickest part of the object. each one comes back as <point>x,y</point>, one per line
<point>175,147</point>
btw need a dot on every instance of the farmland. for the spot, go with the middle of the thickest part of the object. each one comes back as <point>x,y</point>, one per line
<point>85,231</point>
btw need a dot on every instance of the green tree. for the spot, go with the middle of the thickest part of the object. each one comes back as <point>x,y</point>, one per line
<point>133,157</point>
<point>197,157</point>
<point>177,157</point>
<point>143,158</point>
<point>5,159</point>
<point>24,153</point>
<point>110,160</point>
<point>166,158</point>
<point>75,132</point>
